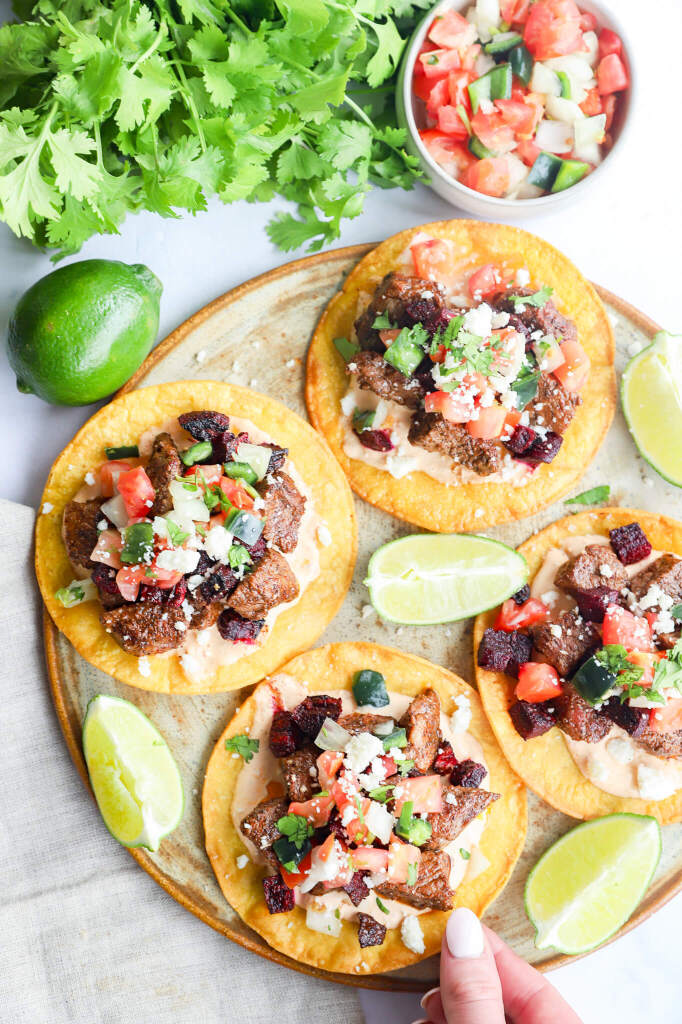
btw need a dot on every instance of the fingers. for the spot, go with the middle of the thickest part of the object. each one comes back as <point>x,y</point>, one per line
<point>528,997</point>
<point>470,990</point>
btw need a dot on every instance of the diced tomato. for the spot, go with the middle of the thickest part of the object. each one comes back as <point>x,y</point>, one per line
<point>450,122</point>
<point>521,117</point>
<point>609,108</point>
<point>345,790</point>
<point>514,12</point>
<point>137,492</point>
<point>433,259</point>
<point>513,616</point>
<point>425,792</point>
<point>426,47</point>
<point>235,493</point>
<point>165,579</point>
<point>324,852</point>
<point>328,764</point>
<point>588,22</point>
<point>439,96</point>
<point>450,30</point>
<point>129,578</point>
<point>667,718</point>
<point>454,406</point>
<point>575,369</point>
<point>591,105</point>
<point>553,29</point>
<point>648,661</point>
<point>316,811</point>
<point>489,176</point>
<point>611,75</point>
<point>493,130</point>
<point>204,474</point>
<point>294,878</point>
<point>107,549</point>
<point>508,353</point>
<point>458,82</point>
<point>109,473</point>
<point>469,57</point>
<point>400,856</point>
<point>389,336</point>
<point>439,63</point>
<point>368,858</point>
<point>489,423</point>
<point>449,153</point>
<point>512,420</point>
<point>421,85</point>
<point>537,682</point>
<point>484,282</point>
<point>622,627</point>
<point>390,767</point>
<point>527,151</point>
<point>357,829</point>
<point>609,42</point>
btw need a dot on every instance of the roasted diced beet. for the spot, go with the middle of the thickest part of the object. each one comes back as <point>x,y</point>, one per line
<point>521,440</point>
<point>630,543</point>
<point>634,721</point>
<point>370,932</point>
<point>469,774</point>
<point>104,578</point>
<point>232,626</point>
<point>494,650</point>
<point>203,565</point>
<point>445,758</point>
<point>177,594</point>
<point>225,445</point>
<point>150,595</point>
<point>531,720</point>
<point>376,440</point>
<point>592,604</point>
<point>522,595</point>
<point>335,826</point>
<point>277,458</point>
<point>219,584</point>
<point>279,898</point>
<point>256,550</point>
<point>521,649</point>
<point>311,713</point>
<point>205,425</point>
<point>428,312</point>
<point>356,889</point>
<point>285,735</point>
<point>545,449</point>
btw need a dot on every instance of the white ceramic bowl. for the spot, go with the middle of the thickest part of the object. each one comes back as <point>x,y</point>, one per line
<point>407,107</point>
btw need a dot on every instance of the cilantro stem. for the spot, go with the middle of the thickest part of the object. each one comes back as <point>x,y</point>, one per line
<point>163,29</point>
<point>238,21</point>
<point>190,104</point>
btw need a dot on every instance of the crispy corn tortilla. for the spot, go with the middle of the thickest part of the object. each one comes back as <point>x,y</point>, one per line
<point>418,498</point>
<point>545,763</point>
<point>331,668</point>
<point>123,421</point>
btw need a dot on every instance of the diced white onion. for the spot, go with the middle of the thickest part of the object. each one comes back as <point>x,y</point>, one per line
<point>554,136</point>
<point>379,821</point>
<point>332,736</point>
<point>574,65</point>
<point>484,62</point>
<point>384,728</point>
<point>528,191</point>
<point>518,172</point>
<point>544,80</point>
<point>564,110</point>
<point>183,521</point>
<point>592,43</point>
<point>324,921</point>
<point>115,510</point>
<point>487,17</point>
<point>256,456</point>
<point>188,503</point>
<point>589,134</point>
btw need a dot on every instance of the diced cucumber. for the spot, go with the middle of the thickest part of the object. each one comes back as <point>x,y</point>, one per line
<point>593,680</point>
<point>478,149</point>
<point>521,63</point>
<point>565,83</point>
<point>570,172</point>
<point>257,457</point>
<point>495,84</point>
<point>544,170</point>
<point>124,451</point>
<point>404,353</point>
<point>503,41</point>
<point>244,526</point>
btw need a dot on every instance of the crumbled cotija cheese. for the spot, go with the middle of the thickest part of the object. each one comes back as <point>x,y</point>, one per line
<point>461,718</point>
<point>412,935</point>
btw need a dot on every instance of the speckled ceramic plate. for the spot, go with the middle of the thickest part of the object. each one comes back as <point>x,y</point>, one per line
<point>257,334</point>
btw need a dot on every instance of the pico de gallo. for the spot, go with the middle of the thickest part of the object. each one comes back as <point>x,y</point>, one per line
<point>518,97</point>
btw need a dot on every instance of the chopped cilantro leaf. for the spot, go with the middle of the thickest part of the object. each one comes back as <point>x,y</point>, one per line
<point>405,766</point>
<point>411,873</point>
<point>346,349</point>
<point>238,556</point>
<point>382,906</point>
<point>676,612</point>
<point>363,419</point>
<point>176,533</point>
<point>464,854</point>
<point>537,299</point>
<point>526,385</point>
<point>381,793</point>
<point>383,323</point>
<point>242,745</point>
<point>296,828</point>
<point>591,497</point>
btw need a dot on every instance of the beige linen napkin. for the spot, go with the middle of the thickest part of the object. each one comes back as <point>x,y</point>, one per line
<point>86,937</point>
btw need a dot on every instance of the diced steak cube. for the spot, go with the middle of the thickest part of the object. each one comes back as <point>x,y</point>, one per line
<point>635,721</point>
<point>272,582</point>
<point>300,773</point>
<point>578,719</point>
<point>204,425</point>
<point>553,406</point>
<point>531,720</point>
<point>370,932</point>
<point>547,319</point>
<point>630,543</point>
<point>596,566</point>
<point>421,721</point>
<point>143,629</point>
<point>407,300</point>
<point>80,531</point>
<point>279,898</point>
<point>430,431</point>
<point>260,826</point>
<point>662,744</point>
<point>284,507</point>
<point>665,572</point>
<point>163,467</point>
<point>358,722</point>
<point>375,374</point>
<point>565,641</point>
<point>431,889</point>
<point>461,805</point>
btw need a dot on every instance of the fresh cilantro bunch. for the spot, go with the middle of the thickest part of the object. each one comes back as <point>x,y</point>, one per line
<point>113,106</point>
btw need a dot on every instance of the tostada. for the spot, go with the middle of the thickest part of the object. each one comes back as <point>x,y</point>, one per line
<point>580,673</point>
<point>355,798</point>
<point>193,536</point>
<point>463,376</point>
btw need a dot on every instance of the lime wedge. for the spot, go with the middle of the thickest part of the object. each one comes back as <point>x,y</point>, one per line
<point>133,774</point>
<point>651,393</point>
<point>589,882</point>
<point>429,578</point>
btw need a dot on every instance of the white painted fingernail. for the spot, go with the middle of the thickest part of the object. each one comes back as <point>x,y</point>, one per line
<point>464,934</point>
<point>432,991</point>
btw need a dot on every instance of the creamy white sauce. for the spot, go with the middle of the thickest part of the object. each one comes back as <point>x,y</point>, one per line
<point>252,783</point>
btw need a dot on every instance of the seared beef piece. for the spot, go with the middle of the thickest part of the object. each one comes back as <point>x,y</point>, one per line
<point>375,440</point>
<point>596,566</point>
<point>272,582</point>
<point>430,431</point>
<point>666,572</point>
<point>422,724</point>
<point>521,652</point>
<point>80,530</point>
<point>375,374</point>
<point>163,467</point>
<point>635,721</point>
<point>548,319</point>
<point>205,616</point>
<point>359,722</point>
<point>662,744</point>
<point>494,650</point>
<point>104,579</point>
<point>279,898</point>
<point>204,425</point>
<point>431,889</point>
<point>260,826</point>
<point>553,406</point>
<point>531,720</point>
<point>445,758</point>
<point>522,595</point>
<point>284,507</point>
<point>460,806</point>
<point>145,628</point>
<point>667,641</point>
<point>469,774</point>
<point>356,890</point>
<point>630,543</point>
<point>578,719</point>
<point>592,604</point>
<point>218,585</point>
<point>310,714</point>
<point>370,932</point>
<point>406,300</point>
<point>277,458</point>
<point>225,445</point>
<point>285,736</point>
<point>234,628</point>
<point>300,773</point>
<point>575,643</point>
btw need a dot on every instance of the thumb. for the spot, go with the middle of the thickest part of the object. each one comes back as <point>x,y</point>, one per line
<point>470,989</point>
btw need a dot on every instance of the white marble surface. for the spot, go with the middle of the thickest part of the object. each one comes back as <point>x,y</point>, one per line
<point>625,235</point>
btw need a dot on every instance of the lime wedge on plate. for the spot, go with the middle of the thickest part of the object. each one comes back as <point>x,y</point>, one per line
<point>429,578</point>
<point>589,882</point>
<point>651,393</point>
<point>133,774</point>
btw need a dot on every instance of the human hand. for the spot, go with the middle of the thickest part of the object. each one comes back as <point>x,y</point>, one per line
<point>483,982</point>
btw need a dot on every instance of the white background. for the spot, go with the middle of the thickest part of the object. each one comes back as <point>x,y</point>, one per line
<point>625,234</point>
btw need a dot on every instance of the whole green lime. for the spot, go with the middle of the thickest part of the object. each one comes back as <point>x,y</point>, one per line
<point>80,332</point>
